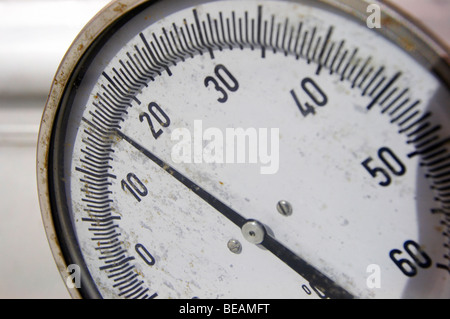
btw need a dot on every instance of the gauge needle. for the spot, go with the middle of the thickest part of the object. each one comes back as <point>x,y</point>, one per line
<point>304,269</point>
<point>253,228</point>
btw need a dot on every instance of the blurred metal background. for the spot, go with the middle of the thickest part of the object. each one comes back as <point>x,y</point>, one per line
<point>34,35</point>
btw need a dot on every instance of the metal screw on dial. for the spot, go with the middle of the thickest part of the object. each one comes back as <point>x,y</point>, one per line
<point>234,246</point>
<point>284,208</point>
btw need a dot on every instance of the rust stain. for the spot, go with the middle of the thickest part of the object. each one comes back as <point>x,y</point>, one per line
<point>405,42</point>
<point>120,7</point>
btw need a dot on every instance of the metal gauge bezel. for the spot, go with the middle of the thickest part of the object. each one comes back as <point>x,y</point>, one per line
<point>425,47</point>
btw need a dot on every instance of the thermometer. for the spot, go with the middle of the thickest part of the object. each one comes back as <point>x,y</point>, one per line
<point>249,149</point>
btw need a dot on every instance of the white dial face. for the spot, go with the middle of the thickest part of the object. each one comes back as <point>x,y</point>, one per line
<point>326,135</point>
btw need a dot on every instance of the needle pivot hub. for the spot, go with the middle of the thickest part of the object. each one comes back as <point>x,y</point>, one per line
<point>254,231</point>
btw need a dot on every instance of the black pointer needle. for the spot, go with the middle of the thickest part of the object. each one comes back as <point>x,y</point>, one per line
<point>300,266</point>
<point>228,212</point>
<point>304,269</point>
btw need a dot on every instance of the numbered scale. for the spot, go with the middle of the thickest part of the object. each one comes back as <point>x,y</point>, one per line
<point>248,149</point>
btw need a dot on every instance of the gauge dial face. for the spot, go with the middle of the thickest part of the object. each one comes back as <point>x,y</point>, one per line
<point>204,139</point>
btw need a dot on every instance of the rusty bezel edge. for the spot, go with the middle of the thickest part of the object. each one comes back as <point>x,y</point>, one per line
<point>111,17</point>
